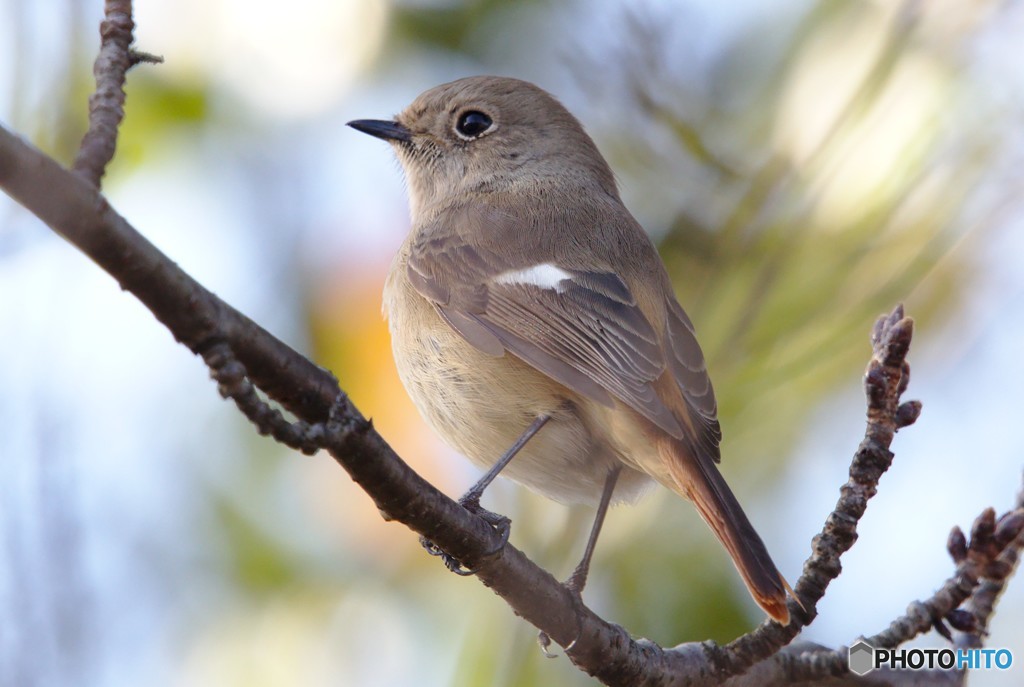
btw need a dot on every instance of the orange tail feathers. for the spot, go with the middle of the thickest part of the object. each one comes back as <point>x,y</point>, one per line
<point>698,479</point>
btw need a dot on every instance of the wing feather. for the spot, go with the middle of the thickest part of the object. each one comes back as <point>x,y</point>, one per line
<point>582,327</point>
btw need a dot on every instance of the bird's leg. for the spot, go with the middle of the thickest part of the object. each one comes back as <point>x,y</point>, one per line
<point>471,501</point>
<point>578,579</point>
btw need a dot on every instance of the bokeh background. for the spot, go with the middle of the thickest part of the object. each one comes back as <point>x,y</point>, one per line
<point>802,165</point>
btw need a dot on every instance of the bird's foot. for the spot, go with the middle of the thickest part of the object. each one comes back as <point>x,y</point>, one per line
<point>501,524</point>
<point>576,582</point>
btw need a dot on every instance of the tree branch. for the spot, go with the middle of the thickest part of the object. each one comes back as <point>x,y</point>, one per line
<point>982,564</point>
<point>106,104</point>
<point>982,603</point>
<point>980,559</point>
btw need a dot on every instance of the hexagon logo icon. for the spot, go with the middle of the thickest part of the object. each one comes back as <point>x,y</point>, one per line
<point>862,658</point>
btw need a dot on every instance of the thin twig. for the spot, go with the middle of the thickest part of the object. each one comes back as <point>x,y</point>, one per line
<point>886,379</point>
<point>982,559</point>
<point>234,384</point>
<point>981,563</point>
<point>106,104</point>
<point>982,603</point>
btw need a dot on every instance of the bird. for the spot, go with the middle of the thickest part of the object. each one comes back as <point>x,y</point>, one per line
<point>535,326</point>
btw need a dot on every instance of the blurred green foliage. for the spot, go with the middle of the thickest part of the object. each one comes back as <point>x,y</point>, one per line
<point>158,109</point>
<point>448,26</point>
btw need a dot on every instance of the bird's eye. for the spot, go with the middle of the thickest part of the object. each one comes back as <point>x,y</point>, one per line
<point>472,124</point>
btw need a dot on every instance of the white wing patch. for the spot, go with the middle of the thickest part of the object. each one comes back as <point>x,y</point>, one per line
<point>544,275</point>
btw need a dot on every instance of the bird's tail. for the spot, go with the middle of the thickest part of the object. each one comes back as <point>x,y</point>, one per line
<point>698,479</point>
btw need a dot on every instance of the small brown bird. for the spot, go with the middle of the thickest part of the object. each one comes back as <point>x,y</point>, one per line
<point>528,309</point>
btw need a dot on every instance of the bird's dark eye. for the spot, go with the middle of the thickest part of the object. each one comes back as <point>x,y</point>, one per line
<point>472,123</point>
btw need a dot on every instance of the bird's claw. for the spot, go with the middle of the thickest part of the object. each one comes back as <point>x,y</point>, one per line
<point>501,524</point>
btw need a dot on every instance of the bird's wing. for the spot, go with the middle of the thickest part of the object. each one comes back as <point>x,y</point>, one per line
<point>691,375</point>
<point>583,328</point>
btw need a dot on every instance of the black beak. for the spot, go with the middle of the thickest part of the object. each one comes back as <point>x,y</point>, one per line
<point>389,131</point>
